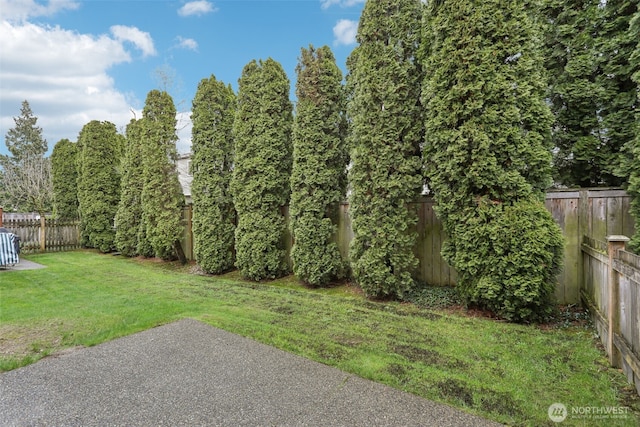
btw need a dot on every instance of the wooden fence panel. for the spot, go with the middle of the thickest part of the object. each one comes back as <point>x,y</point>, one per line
<point>564,208</point>
<point>59,235</point>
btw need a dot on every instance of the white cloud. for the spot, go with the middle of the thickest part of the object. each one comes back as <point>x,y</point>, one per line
<point>345,32</point>
<point>63,75</point>
<point>190,44</point>
<point>199,7</point>
<point>19,10</point>
<point>325,4</point>
<point>140,39</point>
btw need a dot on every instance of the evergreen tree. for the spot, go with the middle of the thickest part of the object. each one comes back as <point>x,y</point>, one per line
<point>26,137</point>
<point>385,135</point>
<point>26,172</point>
<point>162,198</point>
<point>128,217</point>
<point>211,165</point>
<point>633,148</point>
<point>65,179</point>
<point>582,157</point>
<point>260,179</point>
<point>617,112</point>
<point>318,178</point>
<point>487,154</point>
<point>98,183</point>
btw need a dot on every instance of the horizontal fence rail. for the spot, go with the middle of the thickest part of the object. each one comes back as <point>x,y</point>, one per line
<point>59,235</point>
<point>612,294</point>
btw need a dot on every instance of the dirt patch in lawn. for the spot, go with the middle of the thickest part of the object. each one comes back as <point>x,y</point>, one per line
<point>20,340</point>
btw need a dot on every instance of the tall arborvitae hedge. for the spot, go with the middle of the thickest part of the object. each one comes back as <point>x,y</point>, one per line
<point>129,214</point>
<point>162,198</point>
<point>260,180</point>
<point>99,148</point>
<point>385,134</point>
<point>581,157</point>
<point>633,148</point>
<point>487,154</point>
<point>617,112</point>
<point>318,178</point>
<point>65,179</point>
<point>211,164</point>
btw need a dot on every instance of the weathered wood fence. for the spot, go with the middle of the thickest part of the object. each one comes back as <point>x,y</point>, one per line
<point>594,212</point>
<point>611,292</point>
<point>59,235</point>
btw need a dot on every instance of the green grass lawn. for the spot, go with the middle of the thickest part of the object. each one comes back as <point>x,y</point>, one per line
<point>505,372</point>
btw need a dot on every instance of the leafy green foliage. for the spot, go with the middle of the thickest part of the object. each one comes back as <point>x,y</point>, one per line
<point>98,183</point>
<point>25,138</point>
<point>582,158</point>
<point>162,198</point>
<point>615,47</point>
<point>318,178</point>
<point>633,147</point>
<point>65,179</point>
<point>211,164</point>
<point>487,154</point>
<point>129,214</point>
<point>385,136</point>
<point>25,174</point>
<point>260,180</point>
<point>508,257</point>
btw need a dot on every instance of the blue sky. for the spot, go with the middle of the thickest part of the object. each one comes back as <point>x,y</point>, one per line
<point>77,61</point>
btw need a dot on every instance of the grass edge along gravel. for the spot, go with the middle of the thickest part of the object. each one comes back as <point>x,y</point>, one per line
<point>505,372</point>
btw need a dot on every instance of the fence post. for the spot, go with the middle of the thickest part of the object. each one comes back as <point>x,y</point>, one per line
<point>0,216</point>
<point>614,244</point>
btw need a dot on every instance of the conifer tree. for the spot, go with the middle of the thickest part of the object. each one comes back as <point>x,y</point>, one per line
<point>98,183</point>
<point>581,157</point>
<point>262,168</point>
<point>211,164</point>
<point>65,179</point>
<point>385,135</point>
<point>318,178</point>
<point>632,149</point>
<point>487,154</point>
<point>129,214</point>
<point>27,161</point>
<point>25,138</point>
<point>617,111</point>
<point>162,198</point>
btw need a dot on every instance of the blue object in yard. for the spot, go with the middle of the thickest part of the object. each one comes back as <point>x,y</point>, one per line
<point>9,249</point>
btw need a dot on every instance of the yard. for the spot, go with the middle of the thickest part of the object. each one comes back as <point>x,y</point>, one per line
<point>505,372</point>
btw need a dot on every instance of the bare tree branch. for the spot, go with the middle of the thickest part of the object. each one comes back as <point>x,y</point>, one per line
<point>30,181</point>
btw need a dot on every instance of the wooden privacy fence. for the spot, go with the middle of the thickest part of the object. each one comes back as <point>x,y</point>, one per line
<point>611,291</point>
<point>594,212</point>
<point>59,235</point>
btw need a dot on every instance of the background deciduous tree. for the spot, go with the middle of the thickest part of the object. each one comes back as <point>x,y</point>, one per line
<point>385,136</point>
<point>214,215</point>
<point>318,177</point>
<point>260,180</point>
<point>22,190</point>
